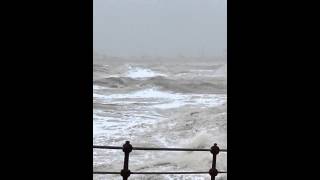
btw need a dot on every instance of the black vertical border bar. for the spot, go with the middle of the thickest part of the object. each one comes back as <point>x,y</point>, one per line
<point>50,91</point>
<point>78,28</point>
<point>85,50</point>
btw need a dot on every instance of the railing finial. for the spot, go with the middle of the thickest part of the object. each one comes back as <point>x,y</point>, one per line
<point>215,149</point>
<point>127,147</point>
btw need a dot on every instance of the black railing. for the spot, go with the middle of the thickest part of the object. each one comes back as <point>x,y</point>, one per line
<point>127,148</point>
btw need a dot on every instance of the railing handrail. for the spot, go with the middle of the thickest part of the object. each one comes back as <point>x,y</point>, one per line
<point>127,148</point>
<point>173,172</point>
<point>155,149</point>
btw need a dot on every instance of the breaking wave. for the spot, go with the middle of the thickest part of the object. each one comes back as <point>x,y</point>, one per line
<point>185,81</point>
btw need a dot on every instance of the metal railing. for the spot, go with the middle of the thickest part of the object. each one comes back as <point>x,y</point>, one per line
<point>127,148</point>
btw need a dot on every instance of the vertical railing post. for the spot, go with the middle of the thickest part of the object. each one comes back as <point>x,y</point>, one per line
<point>213,171</point>
<point>125,172</point>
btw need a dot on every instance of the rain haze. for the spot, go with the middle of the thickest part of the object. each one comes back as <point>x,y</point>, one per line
<point>160,27</point>
<point>160,80</point>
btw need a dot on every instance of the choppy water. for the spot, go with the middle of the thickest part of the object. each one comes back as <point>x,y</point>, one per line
<point>159,105</point>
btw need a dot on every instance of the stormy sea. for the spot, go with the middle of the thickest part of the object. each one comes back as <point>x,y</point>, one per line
<point>159,103</point>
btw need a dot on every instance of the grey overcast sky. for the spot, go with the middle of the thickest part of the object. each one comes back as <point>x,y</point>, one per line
<point>160,27</point>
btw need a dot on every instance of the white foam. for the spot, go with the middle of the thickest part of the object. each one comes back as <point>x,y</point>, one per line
<point>205,100</point>
<point>146,93</point>
<point>138,72</point>
<point>161,99</point>
<point>96,87</point>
